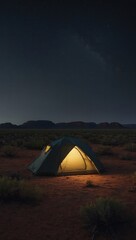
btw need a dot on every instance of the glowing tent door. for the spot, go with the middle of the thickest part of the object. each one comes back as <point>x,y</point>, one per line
<point>73,162</point>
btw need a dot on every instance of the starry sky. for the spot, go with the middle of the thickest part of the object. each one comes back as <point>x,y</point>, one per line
<point>67,61</point>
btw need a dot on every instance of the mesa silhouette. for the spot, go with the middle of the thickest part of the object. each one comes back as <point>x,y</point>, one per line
<point>46,124</point>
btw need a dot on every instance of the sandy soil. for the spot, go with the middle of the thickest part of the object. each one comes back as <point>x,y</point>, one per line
<point>58,214</point>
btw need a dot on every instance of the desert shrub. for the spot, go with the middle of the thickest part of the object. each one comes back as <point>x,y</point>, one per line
<point>112,141</point>
<point>89,184</point>
<point>15,175</point>
<point>126,157</point>
<point>20,143</point>
<point>104,150</point>
<point>93,138</point>
<point>134,178</point>
<point>105,140</point>
<point>8,151</point>
<point>104,216</point>
<point>13,190</point>
<point>37,145</point>
<point>130,147</point>
<point>133,183</point>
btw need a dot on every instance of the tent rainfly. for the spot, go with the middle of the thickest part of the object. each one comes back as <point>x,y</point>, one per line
<point>66,156</point>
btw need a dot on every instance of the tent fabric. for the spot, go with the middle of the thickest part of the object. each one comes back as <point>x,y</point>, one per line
<point>67,155</point>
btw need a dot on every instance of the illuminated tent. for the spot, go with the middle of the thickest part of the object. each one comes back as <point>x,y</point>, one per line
<point>66,156</point>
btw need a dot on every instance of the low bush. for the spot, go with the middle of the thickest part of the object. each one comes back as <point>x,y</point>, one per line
<point>12,189</point>
<point>130,147</point>
<point>36,145</point>
<point>133,183</point>
<point>126,157</point>
<point>89,184</point>
<point>104,216</point>
<point>134,178</point>
<point>104,150</point>
<point>9,151</point>
<point>15,175</point>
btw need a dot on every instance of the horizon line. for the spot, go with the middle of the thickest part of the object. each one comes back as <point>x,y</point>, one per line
<point>109,122</point>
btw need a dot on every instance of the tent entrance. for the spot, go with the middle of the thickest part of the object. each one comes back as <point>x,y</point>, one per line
<point>76,161</point>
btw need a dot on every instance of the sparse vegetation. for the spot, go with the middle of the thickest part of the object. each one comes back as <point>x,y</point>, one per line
<point>134,178</point>
<point>104,216</point>
<point>11,189</point>
<point>8,151</point>
<point>104,150</point>
<point>37,145</point>
<point>28,138</point>
<point>89,184</point>
<point>133,183</point>
<point>126,156</point>
<point>131,147</point>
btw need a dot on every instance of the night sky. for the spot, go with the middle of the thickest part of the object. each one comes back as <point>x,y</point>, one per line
<point>67,61</point>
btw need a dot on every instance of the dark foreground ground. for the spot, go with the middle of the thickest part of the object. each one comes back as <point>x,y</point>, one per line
<point>57,216</point>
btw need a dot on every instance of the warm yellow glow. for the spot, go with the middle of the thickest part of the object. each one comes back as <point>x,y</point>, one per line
<point>47,148</point>
<point>75,161</point>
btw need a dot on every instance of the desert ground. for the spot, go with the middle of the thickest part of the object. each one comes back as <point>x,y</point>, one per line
<point>57,216</point>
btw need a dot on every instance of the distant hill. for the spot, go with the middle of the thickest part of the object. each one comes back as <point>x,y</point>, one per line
<point>39,124</point>
<point>130,126</point>
<point>46,124</point>
<point>8,125</point>
<point>114,125</point>
<point>76,125</point>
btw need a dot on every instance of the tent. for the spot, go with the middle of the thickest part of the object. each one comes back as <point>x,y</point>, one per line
<point>66,156</point>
